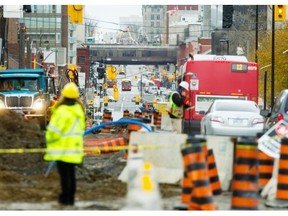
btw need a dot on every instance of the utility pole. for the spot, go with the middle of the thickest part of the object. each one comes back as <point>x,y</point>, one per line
<point>272,58</point>
<point>22,31</point>
<point>256,35</point>
<point>28,44</point>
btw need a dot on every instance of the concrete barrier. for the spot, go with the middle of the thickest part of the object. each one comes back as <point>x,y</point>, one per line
<point>163,151</point>
<point>223,149</point>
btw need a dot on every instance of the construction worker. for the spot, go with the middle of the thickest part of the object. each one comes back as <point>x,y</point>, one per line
<point>176,105</point>
<point>64,139</point>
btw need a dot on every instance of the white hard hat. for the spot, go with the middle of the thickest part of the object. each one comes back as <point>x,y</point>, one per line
<point>184,85</point>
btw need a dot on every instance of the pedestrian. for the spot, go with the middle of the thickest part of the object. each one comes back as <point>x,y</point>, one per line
<point>177,103</point>
<point>64,139</point>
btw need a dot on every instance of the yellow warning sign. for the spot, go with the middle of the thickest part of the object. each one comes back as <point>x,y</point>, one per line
<point>162,107</point>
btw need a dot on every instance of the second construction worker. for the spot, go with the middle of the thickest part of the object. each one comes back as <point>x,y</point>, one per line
<point>176,104</point>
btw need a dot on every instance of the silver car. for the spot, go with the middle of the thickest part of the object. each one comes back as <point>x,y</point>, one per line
<point>233,118</point>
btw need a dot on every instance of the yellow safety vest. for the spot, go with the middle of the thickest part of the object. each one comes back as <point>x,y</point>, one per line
<point>64,134</point>
<point>173,109</point>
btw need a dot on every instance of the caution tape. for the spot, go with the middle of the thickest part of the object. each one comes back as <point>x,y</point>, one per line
<point>94,149</point>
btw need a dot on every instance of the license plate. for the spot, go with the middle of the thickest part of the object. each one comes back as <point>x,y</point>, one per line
<point>237,122</point>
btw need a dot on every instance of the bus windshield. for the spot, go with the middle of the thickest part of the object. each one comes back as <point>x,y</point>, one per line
<point>126,85</point>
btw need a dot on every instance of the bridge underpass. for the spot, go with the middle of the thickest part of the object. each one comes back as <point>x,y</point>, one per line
<point>133,54</point>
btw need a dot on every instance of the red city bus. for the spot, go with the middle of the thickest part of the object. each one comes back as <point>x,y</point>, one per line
<point>110,83</point>
<point>212,77</point>
<point>126,85</point>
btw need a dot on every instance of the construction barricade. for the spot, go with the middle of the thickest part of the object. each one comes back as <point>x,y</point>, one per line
<point>266,164</point>
<point>213,173</point>
<point>131,128</point>
<point>107,117</point>
<point>245,175</point>
<point>196,171</point>
<point>281,198</point>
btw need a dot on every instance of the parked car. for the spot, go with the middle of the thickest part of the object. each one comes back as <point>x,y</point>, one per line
<point>233,118</point>
<point>279,110</point>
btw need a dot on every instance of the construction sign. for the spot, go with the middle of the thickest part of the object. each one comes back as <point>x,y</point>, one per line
<point>270,142</point>
<point>162,107</point>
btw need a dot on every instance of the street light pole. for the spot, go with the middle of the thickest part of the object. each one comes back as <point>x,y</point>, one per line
<point>141,86</point>
<point>272,58</point>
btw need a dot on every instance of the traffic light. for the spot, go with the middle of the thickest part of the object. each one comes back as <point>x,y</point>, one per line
<point>109,72</point>
<point>227,16</point>
<point>105,100</point>
<point>115,92</point>
<point>27,8</point>
<point>113,73</point>
<point>101,72</point>
<point>76,13</point>
<point>280,12</point>
<point>137,99</point>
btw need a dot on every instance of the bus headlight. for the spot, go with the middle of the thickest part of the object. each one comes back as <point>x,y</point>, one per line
<point>38,104</point>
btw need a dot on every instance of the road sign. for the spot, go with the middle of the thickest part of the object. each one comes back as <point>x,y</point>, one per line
<point>270,142</point>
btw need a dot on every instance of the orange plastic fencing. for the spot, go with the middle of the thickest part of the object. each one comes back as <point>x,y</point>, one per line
<point>245,175</point>
<point>106,145</point>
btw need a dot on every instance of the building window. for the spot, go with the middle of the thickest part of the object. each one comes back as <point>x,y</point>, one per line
<point>152,24</point>
<point>53,8</point>
<point>81,59</point>
<point>158,17</point>
<point>152,16</point>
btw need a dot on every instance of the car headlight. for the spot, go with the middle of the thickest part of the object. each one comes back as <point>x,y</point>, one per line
<point>38,104</point>
<point>2,105</point>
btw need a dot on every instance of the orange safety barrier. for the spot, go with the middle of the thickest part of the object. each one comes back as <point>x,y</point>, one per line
<point>266,164</point>
<point>245,175</point>
<point>130,128</point>
<point>213,174</point>
<point>137,114</point>
<point>282,179</point>
<point>106,145</point>
<point>107,117</point>
<point>186,188</point>
<point>201,197</point>
<point>126,113</point>
<point>157,121</point>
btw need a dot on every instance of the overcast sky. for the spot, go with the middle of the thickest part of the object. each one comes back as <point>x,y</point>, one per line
<point>111,13</point>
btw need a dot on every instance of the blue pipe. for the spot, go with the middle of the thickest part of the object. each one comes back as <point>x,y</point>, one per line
<point>97,127</point>
<point>121,121</point>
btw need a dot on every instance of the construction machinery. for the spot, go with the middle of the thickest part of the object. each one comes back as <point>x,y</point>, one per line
<point>27,91</point>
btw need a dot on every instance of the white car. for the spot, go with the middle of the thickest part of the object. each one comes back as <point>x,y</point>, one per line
<point>233,118</point>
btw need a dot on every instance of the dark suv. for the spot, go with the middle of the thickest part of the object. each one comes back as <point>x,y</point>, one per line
<point>280,109</point>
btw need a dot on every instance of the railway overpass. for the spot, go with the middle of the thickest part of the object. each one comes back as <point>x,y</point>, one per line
<point>133,54</point>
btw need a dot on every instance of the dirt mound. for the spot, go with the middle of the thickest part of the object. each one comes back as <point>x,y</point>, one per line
<point>19,133</point>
